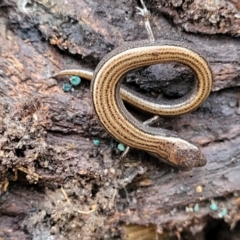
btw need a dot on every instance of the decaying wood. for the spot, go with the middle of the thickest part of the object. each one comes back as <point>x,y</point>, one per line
<point>48,133</point>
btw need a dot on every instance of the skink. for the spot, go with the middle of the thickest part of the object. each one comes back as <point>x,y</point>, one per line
<point>108,105</point>
<point>123,126</point>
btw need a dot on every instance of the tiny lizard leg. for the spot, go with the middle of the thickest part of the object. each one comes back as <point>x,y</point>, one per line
<point>146,14</point>
<point>151,120</point>
<point>124,154</point>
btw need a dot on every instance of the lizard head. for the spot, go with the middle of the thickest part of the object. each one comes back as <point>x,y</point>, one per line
<point>181,153</point>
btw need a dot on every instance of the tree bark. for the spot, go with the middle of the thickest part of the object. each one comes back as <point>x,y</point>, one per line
<point>50,170</point>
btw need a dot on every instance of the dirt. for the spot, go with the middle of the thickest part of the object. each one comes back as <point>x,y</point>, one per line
<point>55,183</point>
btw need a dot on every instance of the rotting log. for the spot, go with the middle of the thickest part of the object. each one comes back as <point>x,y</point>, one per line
<point>49,133</point>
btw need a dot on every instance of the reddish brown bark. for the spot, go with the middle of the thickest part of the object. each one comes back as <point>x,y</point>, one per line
<point>49,132</point>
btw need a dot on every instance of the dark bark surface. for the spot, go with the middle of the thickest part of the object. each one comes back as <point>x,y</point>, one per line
<point>46,147</point>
